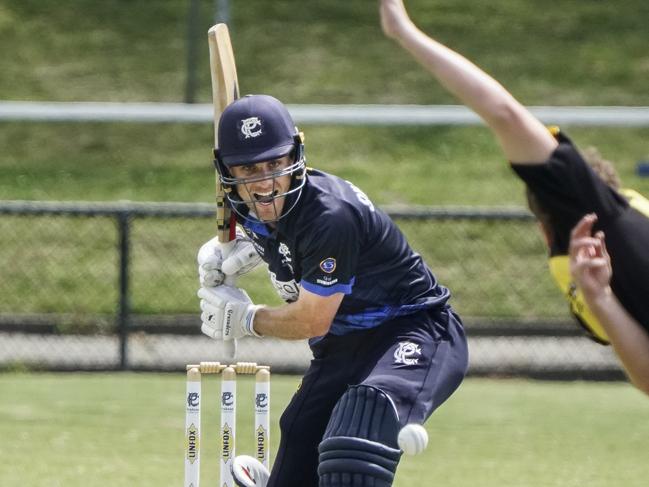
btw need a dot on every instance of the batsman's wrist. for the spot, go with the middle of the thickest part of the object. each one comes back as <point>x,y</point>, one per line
<point>250,320</point>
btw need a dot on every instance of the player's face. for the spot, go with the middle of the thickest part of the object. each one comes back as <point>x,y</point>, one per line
<point>261,186</point>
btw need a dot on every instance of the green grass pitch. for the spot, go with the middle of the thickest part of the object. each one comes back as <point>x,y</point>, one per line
<point>103,430</point>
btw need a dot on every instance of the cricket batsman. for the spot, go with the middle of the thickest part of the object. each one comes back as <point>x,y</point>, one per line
<point>388,349</point>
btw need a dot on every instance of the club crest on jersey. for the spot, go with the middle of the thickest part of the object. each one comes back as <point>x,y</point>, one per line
<point>328,265</point>
<point>406,353</point>
<point>251,127</point>
<point>286,256</point>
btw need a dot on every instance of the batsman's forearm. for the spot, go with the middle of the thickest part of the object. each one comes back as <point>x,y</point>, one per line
<point>289,321</point>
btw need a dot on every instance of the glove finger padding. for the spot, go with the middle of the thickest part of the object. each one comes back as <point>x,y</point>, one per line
<point>212,320</point>
<point>212,324</point>
<point>210,259</point>
<point>241,260</point>
<point>217,260</point>
<point>221,295</point>
<point>216,334</point>
<point>208,307</point>
<point>210,278</point>
<point>228,312</point>
<point>208,250</point>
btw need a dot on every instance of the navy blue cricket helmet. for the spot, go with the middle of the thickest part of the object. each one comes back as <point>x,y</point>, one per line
<point>254,129</point>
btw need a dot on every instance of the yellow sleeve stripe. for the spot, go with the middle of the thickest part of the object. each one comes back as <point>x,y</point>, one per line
<point>554,130</point>
<point>637,201</point>
<point>560,270</point>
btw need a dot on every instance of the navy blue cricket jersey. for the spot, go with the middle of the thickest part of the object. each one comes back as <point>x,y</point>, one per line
<point>336,241</point>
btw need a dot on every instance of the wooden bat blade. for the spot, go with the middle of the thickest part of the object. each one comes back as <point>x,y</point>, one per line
<point>225,85</point>
<point>225,89</point>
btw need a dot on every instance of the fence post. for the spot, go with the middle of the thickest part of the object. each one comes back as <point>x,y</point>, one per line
<point>124,308</point>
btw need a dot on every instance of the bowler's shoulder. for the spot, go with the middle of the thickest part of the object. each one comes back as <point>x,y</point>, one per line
<point>565,158</point>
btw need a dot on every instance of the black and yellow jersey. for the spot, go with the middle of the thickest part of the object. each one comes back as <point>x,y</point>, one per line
<point>567,188</point>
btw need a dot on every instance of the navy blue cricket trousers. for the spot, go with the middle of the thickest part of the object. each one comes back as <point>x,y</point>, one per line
<point>419,360</point>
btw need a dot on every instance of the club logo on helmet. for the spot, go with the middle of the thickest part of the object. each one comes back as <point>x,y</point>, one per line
<point>251,127</point>
<point>258,129</point>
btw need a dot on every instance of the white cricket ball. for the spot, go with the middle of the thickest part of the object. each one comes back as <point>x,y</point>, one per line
<point>412,439</point>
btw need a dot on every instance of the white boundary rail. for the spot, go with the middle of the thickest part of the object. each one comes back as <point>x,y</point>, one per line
<point>311,114</point>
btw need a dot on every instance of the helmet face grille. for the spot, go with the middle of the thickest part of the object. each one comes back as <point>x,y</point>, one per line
<point>247,203</point>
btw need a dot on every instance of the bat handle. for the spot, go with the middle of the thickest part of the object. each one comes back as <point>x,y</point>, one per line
<point>230,345</point>
<point>231,349</point>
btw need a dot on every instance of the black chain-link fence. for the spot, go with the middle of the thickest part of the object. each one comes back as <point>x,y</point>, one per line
<point>95,286</point>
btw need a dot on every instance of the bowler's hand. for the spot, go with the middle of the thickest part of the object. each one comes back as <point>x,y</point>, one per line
<point>590,264</point>
<point>217,260</point>
<point>393,17</point>
<point>227,313</point>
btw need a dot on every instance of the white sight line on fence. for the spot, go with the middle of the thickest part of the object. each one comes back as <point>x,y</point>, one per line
<point>311,114</point>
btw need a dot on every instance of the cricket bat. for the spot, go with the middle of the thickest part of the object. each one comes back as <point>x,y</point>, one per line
<point>225,89</point>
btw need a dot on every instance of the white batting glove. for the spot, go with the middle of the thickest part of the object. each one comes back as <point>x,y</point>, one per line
<point>217,260</point>
<point>228,313</point>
